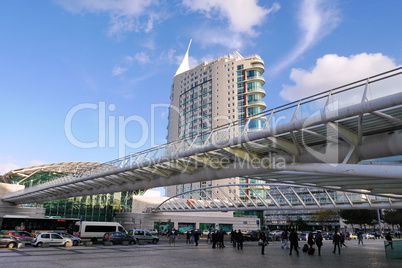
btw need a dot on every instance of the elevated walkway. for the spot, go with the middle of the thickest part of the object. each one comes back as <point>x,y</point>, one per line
<point>328,140</point>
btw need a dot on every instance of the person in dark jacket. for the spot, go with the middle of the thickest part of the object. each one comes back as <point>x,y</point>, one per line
<point>214,237</point>
<point>294,242</point>
<point>388,237</point>
<point>336,240</point>
<point>262,241</point>
<point>318,242</point>
<point>310,240</point>
<point>233,236</point>
<point>196,237</point>
<point>239,239</point>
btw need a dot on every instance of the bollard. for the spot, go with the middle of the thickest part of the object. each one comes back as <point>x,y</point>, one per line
<point>88,244</point>
<point>20,245</point>
<point>68,244</point>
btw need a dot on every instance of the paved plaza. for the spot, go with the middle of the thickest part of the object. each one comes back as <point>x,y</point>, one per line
<point>187,256</point>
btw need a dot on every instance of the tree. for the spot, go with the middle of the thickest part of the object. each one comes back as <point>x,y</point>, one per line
<point>325,217</point>
<point>359,216</point>
<point>300,224</point>
<point>393,217</point>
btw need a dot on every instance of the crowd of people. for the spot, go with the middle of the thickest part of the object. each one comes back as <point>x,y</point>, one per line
<point>290,240</point>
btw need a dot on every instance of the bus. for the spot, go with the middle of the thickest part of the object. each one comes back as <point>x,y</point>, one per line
<point>36,225</point>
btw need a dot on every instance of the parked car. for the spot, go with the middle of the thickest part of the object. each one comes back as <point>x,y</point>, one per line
<point>352,236</point>
<point>303,236</point>
<point>276,234</point>
<point>205,232</point>
<point>327,235</point>
<point>368,236</point>
<point>23,236</point>
<point>8,241</point>
<point>143,235</point>
<point>251,236</point>
<point>51,238</point>
<point>76,240</point>
<point>154,232</point>
<point>118,238</point>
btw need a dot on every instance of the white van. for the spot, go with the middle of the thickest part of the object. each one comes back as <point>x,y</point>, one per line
<point>94,230</point>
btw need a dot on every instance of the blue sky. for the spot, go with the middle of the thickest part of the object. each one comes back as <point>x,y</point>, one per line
<point>90,80</point>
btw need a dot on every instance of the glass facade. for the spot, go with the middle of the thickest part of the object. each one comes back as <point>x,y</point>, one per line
<point>102,207</point>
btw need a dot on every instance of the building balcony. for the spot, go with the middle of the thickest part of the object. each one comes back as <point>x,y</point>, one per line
<point>258,103</point>
<point>258,91</point>
<point>257,66</point>
<point>259,79</point>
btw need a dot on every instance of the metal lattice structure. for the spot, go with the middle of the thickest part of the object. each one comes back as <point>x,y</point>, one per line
<point>271,197</point>
<point>328,140</point>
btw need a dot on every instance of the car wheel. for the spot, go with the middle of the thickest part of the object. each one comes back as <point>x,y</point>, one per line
<point>75,243</point>
<point>132,242</point>
<point>94,240</point>
<point>39,244</point>
<point>10,245</point>
<point>154,241</point>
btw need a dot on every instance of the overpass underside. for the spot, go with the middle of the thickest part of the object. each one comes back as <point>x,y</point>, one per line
<point>274,196</point>
<point>346,139</point>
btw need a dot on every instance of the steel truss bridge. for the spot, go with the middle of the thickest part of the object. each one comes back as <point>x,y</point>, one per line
<point>345,139</point>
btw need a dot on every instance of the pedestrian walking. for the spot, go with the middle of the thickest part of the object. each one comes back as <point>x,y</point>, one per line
<point>209,237</point>
<point>343,240</point>
<point>294,242</point>
<point>310,240</point>
<point>388,237</point>
<point>188,237</point>
<point>214,237</point>
<point>192,234</point>
<point>263,241</point>
<point>360,238</point>
<point>233,236</point>
<point>318,242</point>
<point>196,237</point>
<point>221,239</point>
<point>239,239</point>
<point>285,236</point>
<point>336,240</point>
<point>172,237</point>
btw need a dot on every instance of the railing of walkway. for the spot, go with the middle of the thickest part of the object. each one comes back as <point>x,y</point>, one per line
<point>370,88</point>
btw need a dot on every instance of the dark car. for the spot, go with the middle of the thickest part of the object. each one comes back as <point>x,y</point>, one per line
<point>118,238</point>
<point>327,235</point>
<point>7,241</point>
<point>251,236</point>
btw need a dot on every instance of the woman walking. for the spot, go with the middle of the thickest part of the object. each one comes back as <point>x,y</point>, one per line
<point>318,242</point>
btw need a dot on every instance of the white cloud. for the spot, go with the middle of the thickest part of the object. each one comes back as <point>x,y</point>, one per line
<point>332,71</point>
<point>242,17</point>
<point>124,14</point>
<point>142,57</point>
<point>316,19</point>
<point>117,70</point>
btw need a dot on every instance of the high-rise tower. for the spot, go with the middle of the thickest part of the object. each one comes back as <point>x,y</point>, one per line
<point>213,94</point>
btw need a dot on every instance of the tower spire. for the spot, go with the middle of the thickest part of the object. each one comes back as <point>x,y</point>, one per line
<point>185,65</point>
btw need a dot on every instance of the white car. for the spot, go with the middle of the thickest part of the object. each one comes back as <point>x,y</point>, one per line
<point>368,236</point>
<point>53,239</point>
<point>153,232</point>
